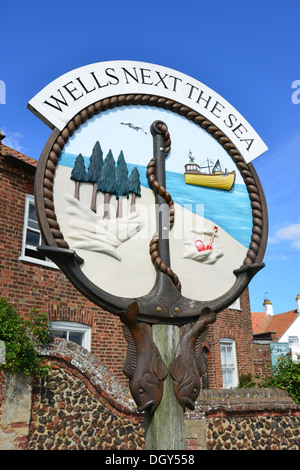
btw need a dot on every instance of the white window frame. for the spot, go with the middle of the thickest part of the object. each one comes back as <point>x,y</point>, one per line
<point>232,366</point>
<point>74,327</point>
<point>236,305</point>
<point>47,262</point>
<point>293,341</point>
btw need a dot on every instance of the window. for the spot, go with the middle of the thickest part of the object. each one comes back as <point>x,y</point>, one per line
<point>32,236</point>
<point>236,305</point>
<point>72,331</point>
<point>228,361</point>
<point>293,341</point>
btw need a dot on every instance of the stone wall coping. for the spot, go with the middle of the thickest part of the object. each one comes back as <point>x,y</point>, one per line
<point>242,400</point>
<point>97,373</point>
<point>245,400</point>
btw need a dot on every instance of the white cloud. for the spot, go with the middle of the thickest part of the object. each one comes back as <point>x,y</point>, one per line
<point>12,140</point>
<point>277,256</point>
<point>296,244</point>
<point>289,232</point>
<point>273,239</point>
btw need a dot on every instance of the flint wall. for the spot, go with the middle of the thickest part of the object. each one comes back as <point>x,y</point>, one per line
<point>82,406</point>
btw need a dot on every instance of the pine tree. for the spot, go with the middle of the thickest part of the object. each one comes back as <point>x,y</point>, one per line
<point>107,182</point>
<point>78,174</point>
<point>134,187</point>
<point>122,182</point>
<point>94,172</point>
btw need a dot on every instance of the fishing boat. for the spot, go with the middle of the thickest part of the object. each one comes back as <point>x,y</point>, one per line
<point>214,178</point>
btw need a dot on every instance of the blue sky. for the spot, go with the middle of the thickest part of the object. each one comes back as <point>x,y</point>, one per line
<point>246,52</point>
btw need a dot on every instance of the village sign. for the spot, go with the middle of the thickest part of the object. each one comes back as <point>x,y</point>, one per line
<point>148,201</point>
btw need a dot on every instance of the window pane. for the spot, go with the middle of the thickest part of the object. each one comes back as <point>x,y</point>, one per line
<point>32,238</point>
<point>32,220</point>
<point>229,355</point>
<point>33,224</point>
<point>76,337</point>
<point>60,334</point>
<point>31,211</point>
<point>236,305</point>
<point>293,340</point>
<point>229,376</point>
<point>223,355</point>
<point>224,376</point>
<point>72,331</point>
<point>34,254</point>
<point>228,363</point>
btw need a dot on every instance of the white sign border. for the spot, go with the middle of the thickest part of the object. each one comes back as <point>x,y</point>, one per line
<point>66,96</point>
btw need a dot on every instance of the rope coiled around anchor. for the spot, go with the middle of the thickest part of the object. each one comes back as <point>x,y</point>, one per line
<point>161,190</point>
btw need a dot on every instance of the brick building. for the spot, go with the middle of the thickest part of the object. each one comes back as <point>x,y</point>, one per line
<point>30,280</point>
<point>282,327</point>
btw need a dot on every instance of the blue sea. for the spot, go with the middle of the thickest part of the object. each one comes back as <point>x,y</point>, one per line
<point>230,210</point>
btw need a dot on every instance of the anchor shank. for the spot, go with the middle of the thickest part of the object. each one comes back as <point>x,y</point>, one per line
<point>162,208</point>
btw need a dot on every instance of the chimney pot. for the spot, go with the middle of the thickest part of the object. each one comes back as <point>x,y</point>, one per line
<point>268,307</point>
<point>298,303</point>
<point>2,136</point>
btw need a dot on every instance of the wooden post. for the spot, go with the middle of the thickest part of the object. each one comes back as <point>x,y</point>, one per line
<point>165,429</point>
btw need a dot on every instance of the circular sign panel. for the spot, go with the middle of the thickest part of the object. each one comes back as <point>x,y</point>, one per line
<point>140,197</point>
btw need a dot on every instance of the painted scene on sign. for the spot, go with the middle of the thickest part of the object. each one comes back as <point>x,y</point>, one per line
<point>107,214</point>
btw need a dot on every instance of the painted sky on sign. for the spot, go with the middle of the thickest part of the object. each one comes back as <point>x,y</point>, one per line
<point>245,52</point>
<point>112,130</point>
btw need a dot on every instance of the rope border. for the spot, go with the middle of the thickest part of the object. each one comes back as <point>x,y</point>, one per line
<point>252,183</point>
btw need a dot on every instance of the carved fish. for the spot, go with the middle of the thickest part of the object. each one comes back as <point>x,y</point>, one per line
<point>143,365</point>
<point>189,364</point>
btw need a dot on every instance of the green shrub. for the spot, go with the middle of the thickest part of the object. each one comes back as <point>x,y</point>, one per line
<point>246,381</point>
<point>21,337</point>
<point>286,375</point>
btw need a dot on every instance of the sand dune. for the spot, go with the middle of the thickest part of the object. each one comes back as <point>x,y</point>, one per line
<point>126,270</point>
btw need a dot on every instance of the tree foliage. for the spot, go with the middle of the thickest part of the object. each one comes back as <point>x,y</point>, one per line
<point>122,176</point>
<point>78,171</point>
<point>107,182</point>
<point>21,338</point>
<point>96,163</point>
<point>286,375</point>
<point>134,183</point>
<point>107,177</point>
<point>94,172</point>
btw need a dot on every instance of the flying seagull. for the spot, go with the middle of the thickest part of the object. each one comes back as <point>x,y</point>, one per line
<point>133,126</point>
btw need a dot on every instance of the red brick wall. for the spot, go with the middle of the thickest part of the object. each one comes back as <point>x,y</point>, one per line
<point>261,354</point>
<point>236,325</point>
<point>29,285</point>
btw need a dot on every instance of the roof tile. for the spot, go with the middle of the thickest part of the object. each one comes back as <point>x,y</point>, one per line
<point>262,323</point>
<point>5,150</point>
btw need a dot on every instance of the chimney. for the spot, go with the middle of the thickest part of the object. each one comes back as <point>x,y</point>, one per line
<point>2,136</point>
<point>268,307</point>
<point>298,303</point>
